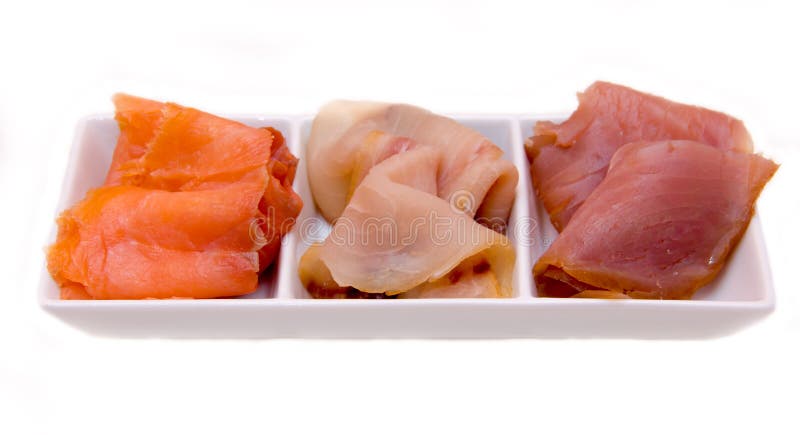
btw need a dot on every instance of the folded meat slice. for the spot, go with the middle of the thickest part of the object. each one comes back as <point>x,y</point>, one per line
<point>660,225</point>
<point>397,237</point>
<point>194,205</point>
<point>139,120</point>
<point>569,160</point>
<point>376,147</point>
<point>171,147</point>
<point>280,203</point>
<point>128,242</point>
<point>343,146</point>
<point>192,147</point>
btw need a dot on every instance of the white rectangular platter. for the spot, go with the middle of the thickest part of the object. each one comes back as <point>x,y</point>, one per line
<point>281,307</point>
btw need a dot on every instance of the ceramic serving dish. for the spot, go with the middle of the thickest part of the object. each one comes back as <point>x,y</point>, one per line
<point>281,307</point>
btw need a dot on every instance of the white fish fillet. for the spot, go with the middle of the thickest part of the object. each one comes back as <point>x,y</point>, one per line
<point>471,163</point>
<point>408,192</point>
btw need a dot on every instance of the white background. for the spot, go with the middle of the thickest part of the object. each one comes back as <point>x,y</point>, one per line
<point>60,61</point>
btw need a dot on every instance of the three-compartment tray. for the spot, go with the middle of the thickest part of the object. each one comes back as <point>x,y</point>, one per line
<point>281,307</point>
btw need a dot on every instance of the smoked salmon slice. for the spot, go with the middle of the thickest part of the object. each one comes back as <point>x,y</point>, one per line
<point>569,160</point>
<point>660,225</point>
<point>138,120</point>
<point>194,206</point>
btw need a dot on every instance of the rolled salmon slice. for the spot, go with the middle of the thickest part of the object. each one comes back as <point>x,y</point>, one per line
<point>194,206</point>
<point>139,120</point>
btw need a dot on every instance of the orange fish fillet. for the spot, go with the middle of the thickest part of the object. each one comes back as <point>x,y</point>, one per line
<point>194,206</point>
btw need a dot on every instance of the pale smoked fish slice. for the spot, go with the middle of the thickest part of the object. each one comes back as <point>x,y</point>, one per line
<point>397,236</point>
<point>342,147</point>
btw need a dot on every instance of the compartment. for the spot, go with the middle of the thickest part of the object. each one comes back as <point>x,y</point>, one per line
<point>90,158</point>
<point>312,227</point>
<point>741,279</point>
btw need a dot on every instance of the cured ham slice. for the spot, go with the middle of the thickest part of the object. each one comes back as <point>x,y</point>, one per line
<point>194,206</point>
<point>660,225</point>
<point>569,160</point>
<point>400,232</point>
<point>345,142</point>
